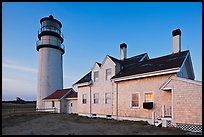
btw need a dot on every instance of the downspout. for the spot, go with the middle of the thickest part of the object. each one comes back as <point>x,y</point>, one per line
<point>172,104</point>
<point>116,100</point>
<point>90,100</point>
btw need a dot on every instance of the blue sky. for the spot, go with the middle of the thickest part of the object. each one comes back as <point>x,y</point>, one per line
<point>91,31</point>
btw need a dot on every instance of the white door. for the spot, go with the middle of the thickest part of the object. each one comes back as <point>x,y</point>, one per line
<point>70,105</point>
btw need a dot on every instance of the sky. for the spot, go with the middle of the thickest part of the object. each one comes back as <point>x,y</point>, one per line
<point>91,31</point>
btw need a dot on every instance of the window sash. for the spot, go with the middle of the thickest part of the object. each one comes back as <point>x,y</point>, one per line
<point>107,98</point>
<point>96,76</point>
<point>96,98</point>
<point>108,73</point>
<point>135,100</point>
<point>148,97</point>
<point>84,98</point>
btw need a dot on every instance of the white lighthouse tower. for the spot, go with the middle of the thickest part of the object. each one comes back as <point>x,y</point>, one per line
<point>51,49</point>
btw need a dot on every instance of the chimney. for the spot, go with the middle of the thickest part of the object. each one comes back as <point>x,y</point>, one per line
<point>123,51</point>
<point>176,40</point>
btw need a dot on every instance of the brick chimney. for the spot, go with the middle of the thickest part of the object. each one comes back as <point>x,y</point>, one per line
<point>176,40</point>
<point>123,51</point>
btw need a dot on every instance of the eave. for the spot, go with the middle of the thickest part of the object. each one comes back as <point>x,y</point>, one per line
<point>148,74</point>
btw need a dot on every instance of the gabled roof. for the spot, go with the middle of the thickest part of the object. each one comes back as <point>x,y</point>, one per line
<point>166,83</point>
<point>99,64</point>
<point>156,64</point>
<point>141,64</point>
<point>134,60</point>
<point>72,94</point>
<point>58,94</point>
<point>86,78</point>
<point>126,62</point>
<point>131,60</point>
<point>114,59</point>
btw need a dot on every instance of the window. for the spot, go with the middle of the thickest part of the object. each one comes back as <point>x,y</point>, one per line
<point>53,104</point>
<point>96,75</point>
<point>135,100</point>
<point>107,98</point>
<point>84,98</point>
<point>148,97</point>
<point>96,98</point>
<point>108,74</point>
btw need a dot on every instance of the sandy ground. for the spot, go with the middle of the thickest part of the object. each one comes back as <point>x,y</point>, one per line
<point>35,123</point>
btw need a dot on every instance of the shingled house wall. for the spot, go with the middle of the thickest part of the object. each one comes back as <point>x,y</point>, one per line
<point>187,98</point>
<point>150,84</point>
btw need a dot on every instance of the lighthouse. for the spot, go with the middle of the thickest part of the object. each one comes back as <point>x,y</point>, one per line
<point>50,50</point>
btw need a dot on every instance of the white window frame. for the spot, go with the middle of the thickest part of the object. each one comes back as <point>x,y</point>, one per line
<point>131,100</point>
<point>108,76</point>
<point>105,98</point>
<point>95,98</point>
<point>84,98</point>
<point>95,80</point>
<point>144,99</point>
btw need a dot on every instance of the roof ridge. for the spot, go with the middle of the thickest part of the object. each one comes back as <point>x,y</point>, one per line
<point>137,55</point>
<point>113,57</point>
<point>98,63</point>
<point>163,56</point>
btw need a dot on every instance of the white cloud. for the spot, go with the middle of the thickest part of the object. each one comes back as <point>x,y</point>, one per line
<point>18,67</point>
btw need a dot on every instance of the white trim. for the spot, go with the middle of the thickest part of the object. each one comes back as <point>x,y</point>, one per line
<point>149,120</point>
<point>94,72</point>
<point>83,84</point>
<point>98,98</point>
<point>131,100</point>
<point>66,94</point>
<point>83,98</point>
<point>165,83</point>
<point>163,87</point>
<point>111,75</point>
<point>144,57</point>
<point>95,65</point>
<point>47,100</point>
<point>191,66</point>
<point>107,56</point>
<point>187,80</point>
<point>190,63</point>
<point>154,73</point>
<point>110,98</point>
<point>148,92</point>
<point>184,60</point>
<point>172,104</point>
<point>71,98</point>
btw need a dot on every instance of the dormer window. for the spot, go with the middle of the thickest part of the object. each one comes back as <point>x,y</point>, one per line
<point>96,76</point>
<point>108,74</point>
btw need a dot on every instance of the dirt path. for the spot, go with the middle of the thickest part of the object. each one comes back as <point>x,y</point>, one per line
<point>65,124</point>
